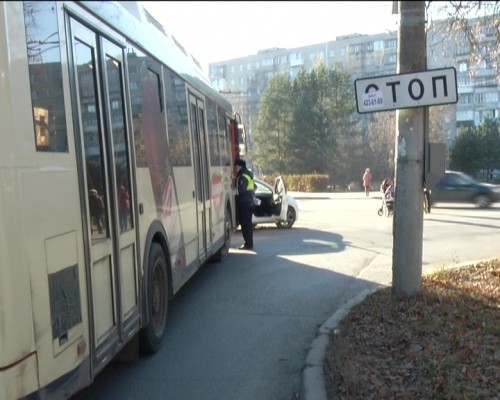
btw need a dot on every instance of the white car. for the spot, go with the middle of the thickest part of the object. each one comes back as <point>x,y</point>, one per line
<point>276,206</point>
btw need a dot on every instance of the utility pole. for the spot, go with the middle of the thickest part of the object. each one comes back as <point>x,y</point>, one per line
<point>408,207</point>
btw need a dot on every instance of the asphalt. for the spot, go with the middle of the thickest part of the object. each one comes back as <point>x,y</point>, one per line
<point>312,385</point>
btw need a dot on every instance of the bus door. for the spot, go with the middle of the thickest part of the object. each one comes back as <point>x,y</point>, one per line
<point>107,189</point>
<point>201,173</point>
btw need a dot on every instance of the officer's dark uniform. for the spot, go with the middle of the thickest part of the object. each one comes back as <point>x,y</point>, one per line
<point>245,186</point>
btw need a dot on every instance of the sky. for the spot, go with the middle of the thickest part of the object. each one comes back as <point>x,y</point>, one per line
<point>214,31</point>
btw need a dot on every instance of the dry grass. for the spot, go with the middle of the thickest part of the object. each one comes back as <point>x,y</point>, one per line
<point>442,344</point>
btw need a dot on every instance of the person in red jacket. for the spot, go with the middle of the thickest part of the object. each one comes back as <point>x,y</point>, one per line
<point>367,181</point>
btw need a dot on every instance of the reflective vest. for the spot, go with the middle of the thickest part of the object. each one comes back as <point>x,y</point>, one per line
<point>250,182</point>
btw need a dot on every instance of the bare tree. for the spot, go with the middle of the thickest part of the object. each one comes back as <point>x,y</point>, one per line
<point>381,138</point>
<point>474,25</point>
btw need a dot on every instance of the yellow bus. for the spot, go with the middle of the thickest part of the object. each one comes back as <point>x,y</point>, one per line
<point>116,162</point>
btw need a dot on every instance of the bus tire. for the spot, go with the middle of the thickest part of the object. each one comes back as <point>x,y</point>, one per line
<point>228,231</point>
<point>151,335</point>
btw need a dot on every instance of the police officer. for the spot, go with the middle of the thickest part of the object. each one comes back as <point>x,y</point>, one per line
<point>244,202</point>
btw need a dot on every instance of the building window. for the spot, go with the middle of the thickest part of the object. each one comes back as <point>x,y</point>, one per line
<point>465,98</point>
<point>491,97</point>
<point>463,48</point>
<point>267,62</point>
<point>392,59</point>
<point>355,48</point>
<point>479,98</point>
<point>463,81</point>
<point>467,115</point>
<point>390,44</point>
<point>378,45</point>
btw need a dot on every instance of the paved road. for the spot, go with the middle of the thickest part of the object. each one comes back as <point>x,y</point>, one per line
<point>242,329</point>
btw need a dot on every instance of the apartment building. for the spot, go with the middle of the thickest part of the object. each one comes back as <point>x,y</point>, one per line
<point>478,77</point>
<point>243,80</point>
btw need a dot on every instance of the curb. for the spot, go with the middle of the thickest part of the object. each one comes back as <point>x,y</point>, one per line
<point>312,386</point>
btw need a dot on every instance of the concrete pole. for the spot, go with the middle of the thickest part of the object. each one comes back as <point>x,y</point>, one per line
<point>408,205</point>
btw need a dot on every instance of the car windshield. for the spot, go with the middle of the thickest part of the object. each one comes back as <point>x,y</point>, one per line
<point>464,179</point>
<point>458,179</point>
<point>261,187</point>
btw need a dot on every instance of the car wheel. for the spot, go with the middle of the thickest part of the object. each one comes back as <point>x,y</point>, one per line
<point>482,201</point>
<point>291,216</point>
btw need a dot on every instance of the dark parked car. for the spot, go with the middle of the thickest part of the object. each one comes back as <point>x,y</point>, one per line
<point>458,187</point>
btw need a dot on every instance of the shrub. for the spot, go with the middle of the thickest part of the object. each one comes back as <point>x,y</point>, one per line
<point>303,183</point>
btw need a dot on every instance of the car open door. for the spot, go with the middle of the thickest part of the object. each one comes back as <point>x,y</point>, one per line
<point>280,197</point>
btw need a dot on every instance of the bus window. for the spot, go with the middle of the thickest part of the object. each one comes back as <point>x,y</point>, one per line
<point>93,141</point>
<point>177,119</point>
<point>213,135</point>
<point>44,62</point>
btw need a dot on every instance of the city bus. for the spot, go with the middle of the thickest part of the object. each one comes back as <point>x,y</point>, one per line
<point>116,186</point>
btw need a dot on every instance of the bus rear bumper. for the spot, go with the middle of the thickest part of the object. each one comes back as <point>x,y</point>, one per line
<point>18,380</point>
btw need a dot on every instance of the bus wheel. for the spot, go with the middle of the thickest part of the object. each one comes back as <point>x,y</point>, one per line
<point>157,301</point>
<point>228,231</point>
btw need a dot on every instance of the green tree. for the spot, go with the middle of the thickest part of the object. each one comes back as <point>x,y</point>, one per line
<point>308,125</point>
<point>323,116</point>
<point>489,136</point>
<point>465,155</point>
<point>477,149</point>
<point>344,139</point>
<point>273,127</point>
